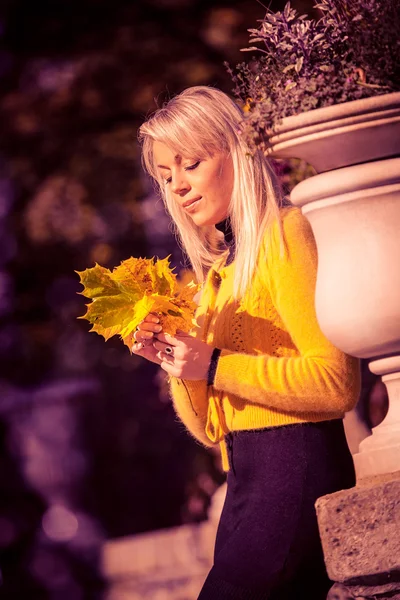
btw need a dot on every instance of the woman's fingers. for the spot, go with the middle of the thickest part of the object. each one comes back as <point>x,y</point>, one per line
<point>166,352</point>
<point>147,328</point>
<point>163,357</point>
<point>151,343</point>
<point>146,351</point>
<point>141,335</point>
<point>152,318</point>
<point>167,339</point>
<point>160,345</point>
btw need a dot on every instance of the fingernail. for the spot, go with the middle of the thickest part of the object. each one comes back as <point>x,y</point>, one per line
<point>155,320</point>
<point>148,334</point>
<point>158,328</point>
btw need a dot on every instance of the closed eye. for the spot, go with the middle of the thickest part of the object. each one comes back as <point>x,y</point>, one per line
<point>192,167</point>
<point>189,168</point>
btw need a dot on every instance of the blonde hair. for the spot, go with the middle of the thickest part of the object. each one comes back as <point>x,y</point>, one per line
<point>199,122</point>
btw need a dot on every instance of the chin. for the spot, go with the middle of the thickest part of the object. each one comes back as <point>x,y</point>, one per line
<point>203,221</point>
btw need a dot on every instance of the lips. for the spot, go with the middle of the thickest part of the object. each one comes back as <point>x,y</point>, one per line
<point>190,202</point>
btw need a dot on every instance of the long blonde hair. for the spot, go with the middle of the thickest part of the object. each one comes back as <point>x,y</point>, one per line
<point>201,121</point>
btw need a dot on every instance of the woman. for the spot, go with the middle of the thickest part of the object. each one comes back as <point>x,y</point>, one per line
<point>257,377</point>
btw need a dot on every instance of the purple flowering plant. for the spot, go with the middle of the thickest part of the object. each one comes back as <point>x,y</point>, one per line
<point>351,52</point>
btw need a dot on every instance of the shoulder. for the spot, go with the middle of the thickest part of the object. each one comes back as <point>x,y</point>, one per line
<point>293,219</point>
<point>296,230</point>
<point>289,246</point>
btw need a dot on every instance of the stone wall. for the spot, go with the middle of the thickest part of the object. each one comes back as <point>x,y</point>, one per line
<point>170,564</point>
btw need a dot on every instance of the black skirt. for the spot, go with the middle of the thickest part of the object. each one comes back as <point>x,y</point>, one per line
<point>268,545</point>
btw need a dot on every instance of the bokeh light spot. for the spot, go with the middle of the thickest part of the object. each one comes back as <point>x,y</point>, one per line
<point>60,524</point>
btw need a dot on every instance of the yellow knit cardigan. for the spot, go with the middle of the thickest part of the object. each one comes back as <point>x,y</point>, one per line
<point>276,366</point>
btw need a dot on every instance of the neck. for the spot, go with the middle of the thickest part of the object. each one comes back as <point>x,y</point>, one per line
<point>225,227</point>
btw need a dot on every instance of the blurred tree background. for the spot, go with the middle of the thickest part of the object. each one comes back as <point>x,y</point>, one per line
<point>90,445</point>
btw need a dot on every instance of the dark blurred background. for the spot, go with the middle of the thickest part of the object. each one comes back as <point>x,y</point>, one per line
<point>90,448</point>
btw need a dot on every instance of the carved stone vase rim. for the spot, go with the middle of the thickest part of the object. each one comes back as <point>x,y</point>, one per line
<point>326,114</point>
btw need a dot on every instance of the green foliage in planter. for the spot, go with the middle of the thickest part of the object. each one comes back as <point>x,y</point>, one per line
<point>352,51</point>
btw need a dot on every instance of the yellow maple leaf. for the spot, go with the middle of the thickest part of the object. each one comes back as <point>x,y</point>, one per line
<point>122,298</point>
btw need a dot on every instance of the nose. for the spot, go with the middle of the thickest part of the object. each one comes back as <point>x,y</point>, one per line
<point>179,184</point>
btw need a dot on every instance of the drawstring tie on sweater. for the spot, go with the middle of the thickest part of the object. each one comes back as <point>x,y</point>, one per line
<point>216,427</point>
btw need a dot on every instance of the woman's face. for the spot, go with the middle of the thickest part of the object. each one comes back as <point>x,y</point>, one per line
<point>202,187</point>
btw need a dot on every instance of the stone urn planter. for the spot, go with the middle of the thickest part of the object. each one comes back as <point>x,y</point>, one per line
<point>353,205</point>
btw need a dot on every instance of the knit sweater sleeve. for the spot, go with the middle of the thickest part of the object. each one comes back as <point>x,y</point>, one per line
<point>190,399</point>
<point>322,378</point>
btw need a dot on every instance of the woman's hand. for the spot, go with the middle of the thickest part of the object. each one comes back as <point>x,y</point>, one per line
<point>144,335</point>
<point>181,356</point>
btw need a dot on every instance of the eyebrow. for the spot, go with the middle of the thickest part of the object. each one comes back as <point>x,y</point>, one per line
<point>177,158</point>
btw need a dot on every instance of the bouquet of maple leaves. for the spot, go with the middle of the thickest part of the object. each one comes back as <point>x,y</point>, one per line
<point>122,298</point>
